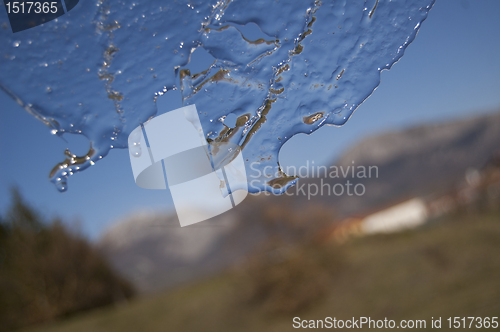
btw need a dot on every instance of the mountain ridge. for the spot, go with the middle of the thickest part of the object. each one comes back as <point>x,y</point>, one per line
<point>154,252</point>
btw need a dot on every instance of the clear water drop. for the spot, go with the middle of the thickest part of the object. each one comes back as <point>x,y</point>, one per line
<point>135,149</point>
<point>61,185</point>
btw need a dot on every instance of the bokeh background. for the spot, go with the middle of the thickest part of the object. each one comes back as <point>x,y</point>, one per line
<point>432,127</point>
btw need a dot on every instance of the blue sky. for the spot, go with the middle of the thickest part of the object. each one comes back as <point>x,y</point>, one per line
<point>451,70</point>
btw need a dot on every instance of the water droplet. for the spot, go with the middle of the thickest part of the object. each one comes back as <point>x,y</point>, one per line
<point>16,43</point>
<point>135,149</point>
<point>61,185</point>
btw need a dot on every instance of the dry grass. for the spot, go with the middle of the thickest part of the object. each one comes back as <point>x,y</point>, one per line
<point>450,267</point>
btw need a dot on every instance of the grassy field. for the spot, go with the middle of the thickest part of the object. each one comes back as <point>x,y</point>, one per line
<point>448,268</point>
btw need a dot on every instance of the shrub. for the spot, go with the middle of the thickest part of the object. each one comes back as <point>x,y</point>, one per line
<point>293,267</point>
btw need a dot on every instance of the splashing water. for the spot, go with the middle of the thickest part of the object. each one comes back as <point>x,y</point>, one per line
<point>98,70</point>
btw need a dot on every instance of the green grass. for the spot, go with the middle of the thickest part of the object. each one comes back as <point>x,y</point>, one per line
<point>450,267</point>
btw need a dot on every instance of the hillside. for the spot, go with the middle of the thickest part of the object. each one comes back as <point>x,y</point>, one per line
<point>445,269</point>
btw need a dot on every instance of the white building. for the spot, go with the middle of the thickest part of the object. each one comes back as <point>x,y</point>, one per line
<point>406,215</point>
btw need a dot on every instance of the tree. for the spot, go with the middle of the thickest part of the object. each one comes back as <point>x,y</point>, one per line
<point>47,271</point>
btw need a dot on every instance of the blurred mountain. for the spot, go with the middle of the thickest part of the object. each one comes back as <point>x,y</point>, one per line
<point>423,160</point>
<point>155,253</point>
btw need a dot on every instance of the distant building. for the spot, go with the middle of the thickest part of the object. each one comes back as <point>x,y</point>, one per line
<point>409,214</point>
<point>480,187</point>
<point>396,217</point>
